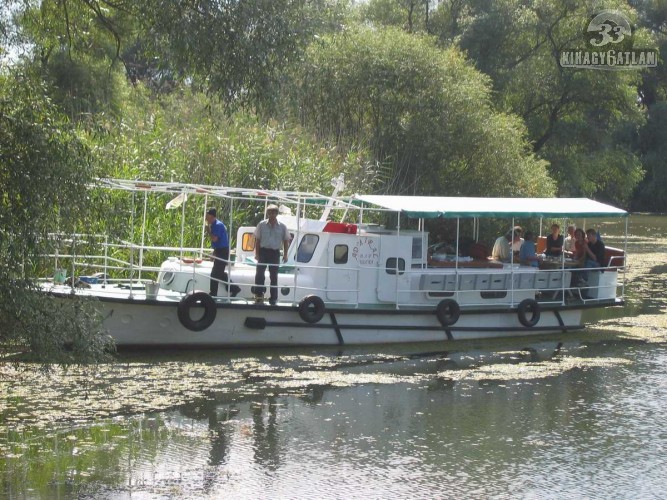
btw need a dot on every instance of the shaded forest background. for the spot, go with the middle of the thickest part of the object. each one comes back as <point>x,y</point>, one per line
<point>435,97</point>
<point>404,96</point>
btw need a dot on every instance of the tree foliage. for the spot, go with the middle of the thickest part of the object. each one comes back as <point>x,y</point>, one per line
<point>574,116</point>
<point>235,49</point>
<point>424,112</point>
<point>585,123</point>
<point>653,140</point>
<point>44,168</point>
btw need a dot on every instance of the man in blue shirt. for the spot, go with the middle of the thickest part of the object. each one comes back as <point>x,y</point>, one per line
<point>220,245</point>
<point>527,254</point>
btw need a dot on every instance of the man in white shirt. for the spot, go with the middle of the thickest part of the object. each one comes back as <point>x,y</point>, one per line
<point>517,240</point>
<point>504,246</point>
<point>568,242</point>
<point>270,236</point>
<point>501,248</point>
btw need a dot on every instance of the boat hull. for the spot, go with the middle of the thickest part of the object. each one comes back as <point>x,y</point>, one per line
<point>156,323</point>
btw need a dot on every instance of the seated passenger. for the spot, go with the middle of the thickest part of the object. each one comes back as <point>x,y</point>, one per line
<point>501,248</point>
<point>568,242</point>
<point>595,250</point>
<point>527,254</point>
<point>579,247</point>
<point>517,241</point>
<point>554,242</point>
<point>579,255</point>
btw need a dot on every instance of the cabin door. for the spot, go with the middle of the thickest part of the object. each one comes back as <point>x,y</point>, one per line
<point>342,272</point>
<point>394,269</point>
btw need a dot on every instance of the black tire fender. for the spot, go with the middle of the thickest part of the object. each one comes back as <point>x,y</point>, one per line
<point>526,307</point>
<point>448,312</point>
<point>311,309</point>
<point>197,299</point>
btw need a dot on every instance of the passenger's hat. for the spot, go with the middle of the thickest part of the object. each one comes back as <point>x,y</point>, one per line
<point>212,211</point>
<point>272,206</point>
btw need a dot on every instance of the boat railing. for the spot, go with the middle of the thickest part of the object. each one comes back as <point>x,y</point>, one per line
<point>123,262</point>
<point>118,261</point>
<point>510,285</point>
<point>474,287</point>
<point>478,286</point>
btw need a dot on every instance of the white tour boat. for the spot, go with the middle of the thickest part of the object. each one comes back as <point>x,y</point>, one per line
<point>353,281</point>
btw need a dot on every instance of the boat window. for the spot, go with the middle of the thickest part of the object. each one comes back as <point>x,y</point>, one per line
<point>168,277</point>
<point>393,263</point>
<point>307,248</point>
<point>417,247</point>
<point>248,242</point>
<point>340,254</point>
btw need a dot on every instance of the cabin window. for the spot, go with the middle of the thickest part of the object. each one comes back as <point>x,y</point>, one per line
<point>340,254</point>
<point>248,242</point>
<point>417,247</point>
<point>307,248</point>
<point>168,277</point>
<point>393,263</point>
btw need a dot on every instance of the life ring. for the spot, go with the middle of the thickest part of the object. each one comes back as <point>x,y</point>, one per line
<point>448,312</point>
<point>527,306</point>
<point>197,299</point>
<point>311,309</point>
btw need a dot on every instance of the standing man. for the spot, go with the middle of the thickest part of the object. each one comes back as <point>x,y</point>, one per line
<point>220,245</point>
<point>270,236</point>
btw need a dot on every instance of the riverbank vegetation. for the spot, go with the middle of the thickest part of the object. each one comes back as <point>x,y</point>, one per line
<point>449,97</point>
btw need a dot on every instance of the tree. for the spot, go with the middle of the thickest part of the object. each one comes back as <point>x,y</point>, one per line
<point>583,122</point>
<point>651,195</point>
<point>653,92</point>
<point>236,50</point>
<point>44,168</point>
<point>411,15</point>
<point>578,119</point>
<point>424,112</point>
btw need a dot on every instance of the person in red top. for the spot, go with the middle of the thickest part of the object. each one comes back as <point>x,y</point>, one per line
<point>579,254</point>
<point>580,245</point>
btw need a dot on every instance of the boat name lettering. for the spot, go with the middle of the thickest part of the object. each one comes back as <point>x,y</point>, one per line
<point>365,252</point>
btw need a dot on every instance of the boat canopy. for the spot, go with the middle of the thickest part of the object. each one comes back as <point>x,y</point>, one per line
<point>429,207</point>
<point>424,207</point>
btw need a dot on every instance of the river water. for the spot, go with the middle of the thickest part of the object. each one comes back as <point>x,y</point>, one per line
<point>581,415</point>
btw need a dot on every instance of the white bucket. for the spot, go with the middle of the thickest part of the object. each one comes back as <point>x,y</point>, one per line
<point>151,290</point>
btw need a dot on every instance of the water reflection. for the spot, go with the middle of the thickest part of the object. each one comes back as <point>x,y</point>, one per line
<point>399,412</point>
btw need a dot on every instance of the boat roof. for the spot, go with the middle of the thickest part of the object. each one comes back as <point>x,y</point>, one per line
<point>428,207</point>
<point>216,191</point>
<point>425,207</point>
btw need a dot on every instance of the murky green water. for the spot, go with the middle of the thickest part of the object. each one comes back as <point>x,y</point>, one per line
<point>578,416</point>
